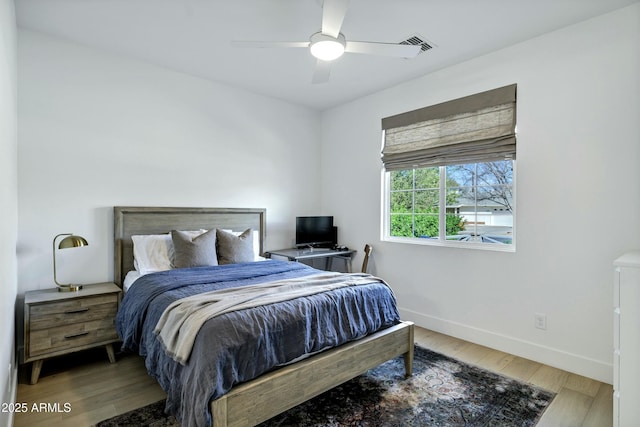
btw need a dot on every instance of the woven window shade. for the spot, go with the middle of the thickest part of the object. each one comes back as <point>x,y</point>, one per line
<point>476,128</point>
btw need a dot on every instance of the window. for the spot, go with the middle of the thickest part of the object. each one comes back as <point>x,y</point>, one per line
<point>449,172</point>
<point>473,204</point>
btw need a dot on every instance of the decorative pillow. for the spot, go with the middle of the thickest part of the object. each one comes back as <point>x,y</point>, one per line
<point>233,248</point>
<point>194,251</point>
<point>152,252</point>
<point>256,243</point>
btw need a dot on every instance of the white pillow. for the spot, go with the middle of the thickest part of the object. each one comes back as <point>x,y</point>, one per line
<point>154,252</point>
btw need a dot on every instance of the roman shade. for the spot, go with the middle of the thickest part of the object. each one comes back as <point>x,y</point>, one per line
<point>476,128</point>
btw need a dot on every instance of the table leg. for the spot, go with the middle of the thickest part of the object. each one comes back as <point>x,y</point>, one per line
<point>110,353</point>
<point>35,370</point>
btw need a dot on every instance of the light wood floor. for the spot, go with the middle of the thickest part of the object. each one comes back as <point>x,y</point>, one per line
<point>96,389</point>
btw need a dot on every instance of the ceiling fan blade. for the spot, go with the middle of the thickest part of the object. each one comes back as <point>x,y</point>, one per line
<point>383,49</point>
<point>333,13</point>
<point>262,44</point>
<point>322,71</point>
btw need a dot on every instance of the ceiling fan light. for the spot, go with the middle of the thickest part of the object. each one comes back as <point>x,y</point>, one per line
<point>327,48</point>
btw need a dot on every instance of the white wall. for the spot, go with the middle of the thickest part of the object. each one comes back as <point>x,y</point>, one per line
<point>578,195</point>
<point>8,204</point>
<point>98,130</point>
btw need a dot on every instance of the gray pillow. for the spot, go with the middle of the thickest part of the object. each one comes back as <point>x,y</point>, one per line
<point>233,249</point>
<point>194,251</point>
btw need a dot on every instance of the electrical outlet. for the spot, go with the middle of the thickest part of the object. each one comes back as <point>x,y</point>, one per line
<point>540,321</point>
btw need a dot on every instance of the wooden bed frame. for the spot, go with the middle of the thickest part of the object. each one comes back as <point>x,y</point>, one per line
<point>258,400</point>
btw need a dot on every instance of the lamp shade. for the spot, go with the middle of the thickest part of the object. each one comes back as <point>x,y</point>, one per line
<point>72,241</point>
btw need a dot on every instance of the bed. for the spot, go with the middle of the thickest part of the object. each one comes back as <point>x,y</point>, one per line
<point>252,398</point>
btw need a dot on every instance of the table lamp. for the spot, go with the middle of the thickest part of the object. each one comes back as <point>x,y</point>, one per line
<point>71,241</point>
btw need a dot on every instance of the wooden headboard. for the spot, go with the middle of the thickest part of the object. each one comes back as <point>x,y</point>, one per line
<point>129,221</point>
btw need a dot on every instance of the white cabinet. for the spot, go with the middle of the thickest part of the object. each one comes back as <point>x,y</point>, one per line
<point>626,340</point>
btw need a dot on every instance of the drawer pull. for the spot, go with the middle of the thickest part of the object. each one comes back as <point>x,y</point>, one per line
<point>80,334</point>
<point>79,310</point>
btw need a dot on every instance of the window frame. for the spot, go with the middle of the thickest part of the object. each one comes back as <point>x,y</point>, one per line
<point>385,234</point>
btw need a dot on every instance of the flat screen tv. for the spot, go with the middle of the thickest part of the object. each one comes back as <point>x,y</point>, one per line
<point>315,231</point>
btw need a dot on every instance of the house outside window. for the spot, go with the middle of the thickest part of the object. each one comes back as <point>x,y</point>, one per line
<point>459,193</point>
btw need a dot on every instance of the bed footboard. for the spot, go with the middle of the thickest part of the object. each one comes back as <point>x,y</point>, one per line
<point>271,394</point>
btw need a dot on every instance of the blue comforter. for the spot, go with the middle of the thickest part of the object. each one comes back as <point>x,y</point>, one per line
<point>239,346</point>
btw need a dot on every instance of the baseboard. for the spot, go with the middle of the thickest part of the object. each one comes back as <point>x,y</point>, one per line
<point>9,396</point>
<point>569,362</point>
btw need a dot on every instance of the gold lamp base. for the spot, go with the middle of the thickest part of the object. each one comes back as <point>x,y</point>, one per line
<point>69,288</point>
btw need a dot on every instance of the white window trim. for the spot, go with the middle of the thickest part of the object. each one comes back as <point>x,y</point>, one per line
<point>441,240</point>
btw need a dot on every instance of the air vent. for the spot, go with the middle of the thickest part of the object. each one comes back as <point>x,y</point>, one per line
<point>417,40</point>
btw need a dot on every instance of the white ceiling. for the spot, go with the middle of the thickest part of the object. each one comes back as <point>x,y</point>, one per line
<point>193,36</point>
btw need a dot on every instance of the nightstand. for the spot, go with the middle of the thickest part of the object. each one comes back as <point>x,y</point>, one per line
<point>57,323</point>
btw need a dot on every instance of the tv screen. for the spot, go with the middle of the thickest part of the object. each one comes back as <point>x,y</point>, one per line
<point>315,231</point>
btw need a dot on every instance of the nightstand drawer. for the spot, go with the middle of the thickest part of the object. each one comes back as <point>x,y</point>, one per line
<point>70,336</point>
<point>60,313</point>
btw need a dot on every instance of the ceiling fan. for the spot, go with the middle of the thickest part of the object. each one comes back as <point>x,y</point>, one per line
<point>329,43</point>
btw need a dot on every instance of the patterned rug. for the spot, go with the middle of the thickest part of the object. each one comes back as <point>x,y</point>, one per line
<point>441,392</point>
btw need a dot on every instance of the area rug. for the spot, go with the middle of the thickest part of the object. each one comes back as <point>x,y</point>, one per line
<point>442,392</point>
